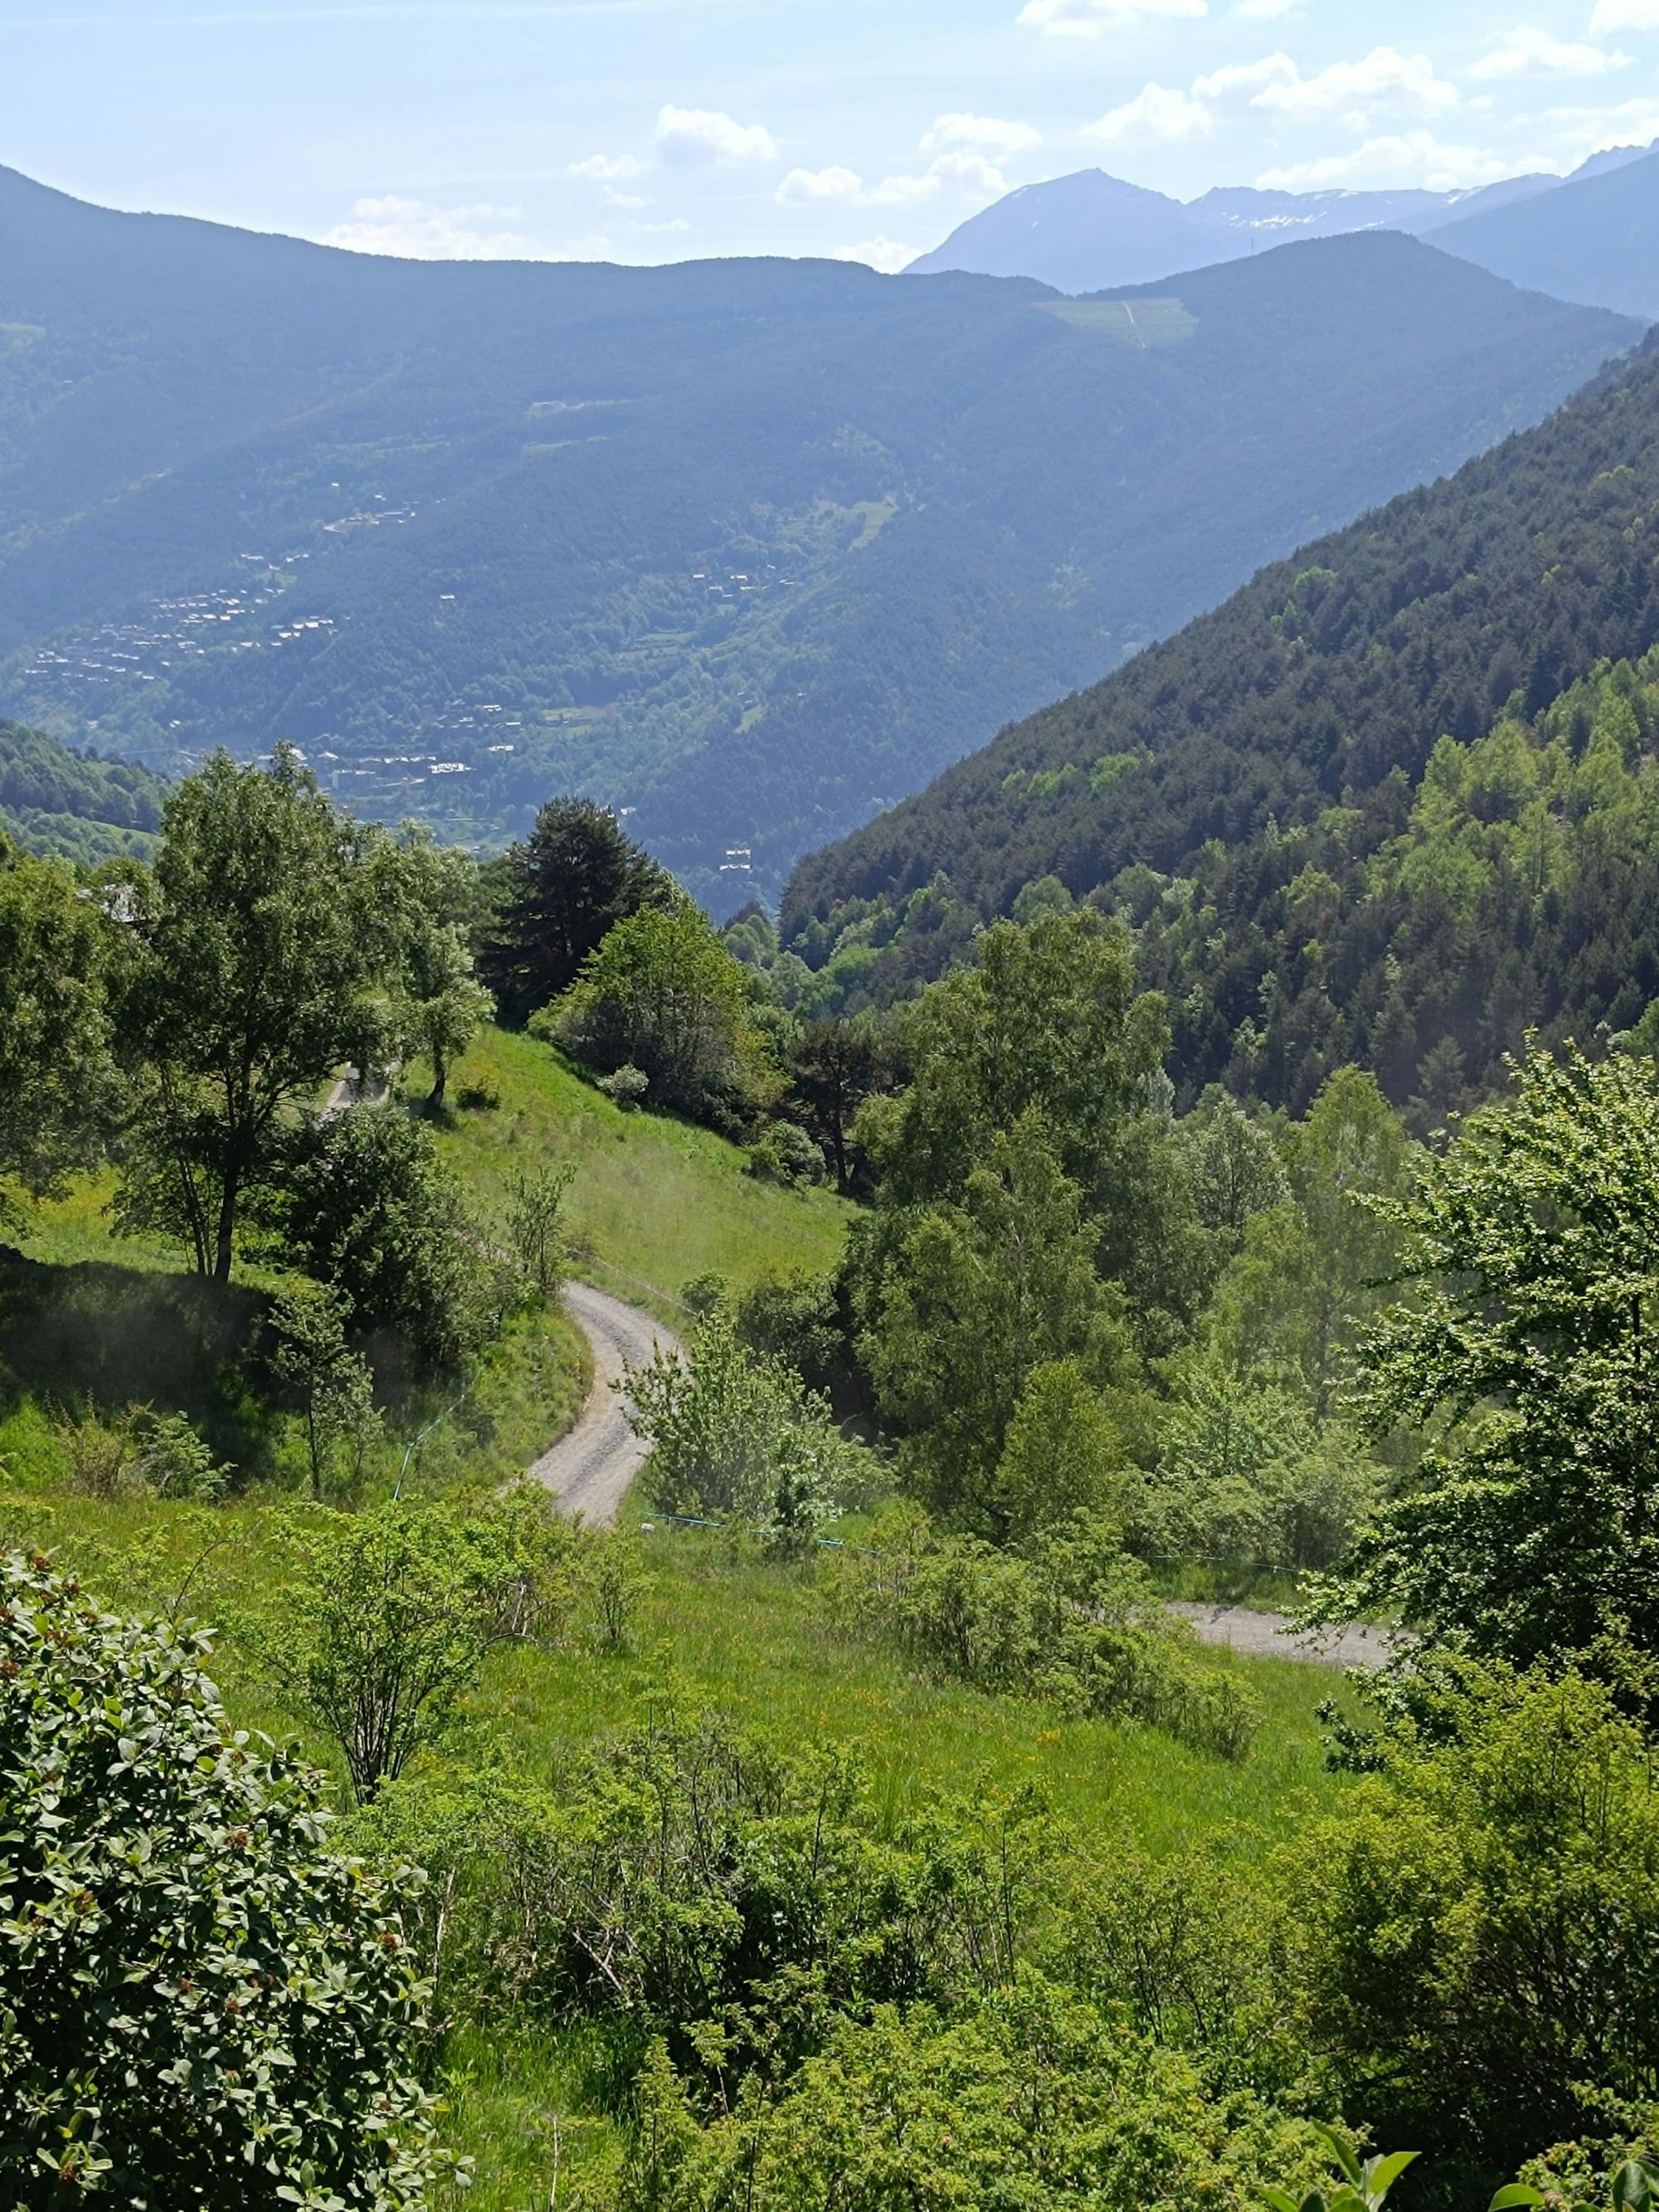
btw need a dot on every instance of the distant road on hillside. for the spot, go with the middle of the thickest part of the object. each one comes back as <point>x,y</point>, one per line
<point>590,1470</point>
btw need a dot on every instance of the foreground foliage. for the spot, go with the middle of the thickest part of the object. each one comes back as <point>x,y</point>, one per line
<point>196,1994</point>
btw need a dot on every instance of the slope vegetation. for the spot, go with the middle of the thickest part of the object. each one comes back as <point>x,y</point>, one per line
<point>55,800</point>
<point>752,548</point>
<point>1290,731</point>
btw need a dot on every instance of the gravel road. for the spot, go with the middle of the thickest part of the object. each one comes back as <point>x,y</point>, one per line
<point>1241,1628</point>
<point>589,1470</point>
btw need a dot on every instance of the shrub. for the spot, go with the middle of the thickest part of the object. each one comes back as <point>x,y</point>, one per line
<point>736,1433</point>
<point>708,1884</point>
<point>1030,2099</point>
<point>784,1153</point>
<point>626,1085</point>
<point>386,1620</point>
<point>372,1212</point>
<point>1073,1619</point>
<point>1470,1940</point>
<point>198,2000</point>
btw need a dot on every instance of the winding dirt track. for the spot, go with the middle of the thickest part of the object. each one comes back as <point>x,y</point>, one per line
<point>590,1470</point>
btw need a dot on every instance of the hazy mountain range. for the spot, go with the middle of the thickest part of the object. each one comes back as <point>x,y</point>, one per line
<point>752,549</point>
<point>1593,236</point>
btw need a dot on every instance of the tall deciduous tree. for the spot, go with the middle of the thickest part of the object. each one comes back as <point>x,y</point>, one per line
<point>431,898</point>
<point>662,994</point>
<point>1533,1526</point>
<point>834,1066</point>
<point>54,1063</point>
<point>966,1299</point>
<point>1047,1019</point>
<point>1314,1269</point>
<point>559,895</point>
<point>256,961</point>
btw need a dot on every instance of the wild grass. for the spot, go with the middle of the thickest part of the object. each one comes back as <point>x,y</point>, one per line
<point>655,1200</point>
<point>716,1628</point>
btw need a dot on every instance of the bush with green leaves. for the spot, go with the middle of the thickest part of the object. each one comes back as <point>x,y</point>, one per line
<point>1532,1527</point>
<point>386,1617</point>
<point>200,2002</point>
<point>782,1153</point>
<point>1029,2097</point>
<point>1249,1474</point>
<point>369,1210</point>
<point>333,1384</point>
<point>1468,1941</point>
<point>1072,1619</point>
<point>662,994</point>
<point>735,1434</point>
<point>716,1886</point>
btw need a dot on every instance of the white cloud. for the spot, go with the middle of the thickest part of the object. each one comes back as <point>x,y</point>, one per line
<point>1245,84</point>
<point>607,169</point>
<point>1528,51</point>
<point>885,254</point>
<point>1088,18</point>
<point>1413,158</point>
<point>1266,11</point>
<point>418,232</point>
<point>1623,15</point>
<point>1384,78</point>
<point>697,138</point>
<point>1585,130</point>
<point>802,186</point>
<point>1157,113</point>
<point>676,226</point>
<point>970,176</point>
<point>594,247</point>
<point>988,133</point>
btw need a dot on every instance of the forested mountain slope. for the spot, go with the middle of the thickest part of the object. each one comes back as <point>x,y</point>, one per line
<point>1595,239</point>
<point>1263,758</point>
<point>749,548</point>
<point>55,800</point>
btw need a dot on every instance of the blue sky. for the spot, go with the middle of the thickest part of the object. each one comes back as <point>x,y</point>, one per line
<point>655,129</point>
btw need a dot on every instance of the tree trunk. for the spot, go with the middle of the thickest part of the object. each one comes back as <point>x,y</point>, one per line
<point>227,1227</point>
<point>441,1083</point>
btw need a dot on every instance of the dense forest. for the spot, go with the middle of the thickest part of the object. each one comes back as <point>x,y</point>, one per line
<point>1318,730</point>
<point>750,549</point>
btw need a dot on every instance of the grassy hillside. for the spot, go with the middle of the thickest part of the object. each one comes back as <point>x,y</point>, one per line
<point>1308,706</point>
<point>92,1321</point>
<point>655,1200</point>
<point>750,546</point>
<point>78,804</point>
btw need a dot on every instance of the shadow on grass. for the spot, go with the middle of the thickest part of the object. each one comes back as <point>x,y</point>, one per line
<point>97,1336</point>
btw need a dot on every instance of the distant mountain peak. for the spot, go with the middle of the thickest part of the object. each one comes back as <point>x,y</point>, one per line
<point>1092,232</point>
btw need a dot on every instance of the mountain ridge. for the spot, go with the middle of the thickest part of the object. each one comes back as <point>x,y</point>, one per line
<point>746,549</point>
<point>1091,231</point>
<point>1310,694</point>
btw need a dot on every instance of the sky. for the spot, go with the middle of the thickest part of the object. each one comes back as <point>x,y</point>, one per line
<point>642,130</point>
